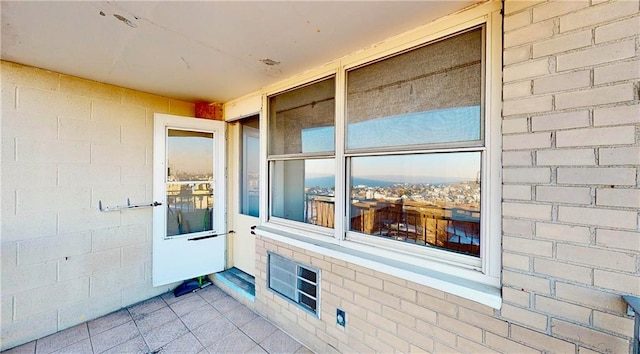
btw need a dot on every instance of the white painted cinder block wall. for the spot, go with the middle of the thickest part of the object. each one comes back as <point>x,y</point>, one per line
<point>67,143</point>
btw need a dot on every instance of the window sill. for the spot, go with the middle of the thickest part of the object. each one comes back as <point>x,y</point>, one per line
<point>465,288</point>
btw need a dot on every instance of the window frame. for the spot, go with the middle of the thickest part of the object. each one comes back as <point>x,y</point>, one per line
<point>307,229</point>
<point>452,272</point>
<point>480,145</point>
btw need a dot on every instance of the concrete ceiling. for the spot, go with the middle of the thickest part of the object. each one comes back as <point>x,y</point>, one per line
<point>200,50</point>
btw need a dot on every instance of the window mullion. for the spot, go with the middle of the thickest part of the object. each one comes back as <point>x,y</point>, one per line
<point>340,184</point>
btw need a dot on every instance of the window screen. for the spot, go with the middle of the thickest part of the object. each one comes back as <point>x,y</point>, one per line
<point>429,95</point>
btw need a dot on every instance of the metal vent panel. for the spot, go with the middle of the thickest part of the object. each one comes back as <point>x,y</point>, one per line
<point>294,281</point>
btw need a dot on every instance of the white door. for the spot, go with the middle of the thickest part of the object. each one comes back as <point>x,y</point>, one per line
<point>244,167</point>
<point>189,229</point>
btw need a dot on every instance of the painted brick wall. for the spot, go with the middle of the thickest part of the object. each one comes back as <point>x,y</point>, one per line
<point>571,240</point>
<point>67,143</point>
<point>571,117</point>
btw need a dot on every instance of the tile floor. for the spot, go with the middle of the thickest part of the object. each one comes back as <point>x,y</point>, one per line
<point>207,321</point>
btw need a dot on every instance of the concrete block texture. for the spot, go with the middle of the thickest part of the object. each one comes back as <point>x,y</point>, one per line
<point>618,30</point>
<point>625,240</point>
<point>556,121</point>
<point>617,115</point>
<point>563,43</point>
<point>595,96</point>
<point>62,142</point>
<point>622,219</point>
<point>623,71</point>
<point>596,55</point>
<point>623,135</point>
<point>562,82</point>
<point>592,16</point>
<point>614,176</point>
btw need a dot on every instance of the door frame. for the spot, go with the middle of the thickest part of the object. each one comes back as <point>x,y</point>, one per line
<point>241,246</point>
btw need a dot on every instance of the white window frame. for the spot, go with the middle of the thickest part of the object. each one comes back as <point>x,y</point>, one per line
<point>478,279</point>
<point>307,229</point>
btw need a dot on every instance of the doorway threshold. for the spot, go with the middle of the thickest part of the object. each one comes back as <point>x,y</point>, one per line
<point>238,281</point>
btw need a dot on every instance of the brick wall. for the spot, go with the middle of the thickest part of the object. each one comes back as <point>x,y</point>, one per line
<point>67,143</point>
<point>571,240</point>
<point>571,155</point>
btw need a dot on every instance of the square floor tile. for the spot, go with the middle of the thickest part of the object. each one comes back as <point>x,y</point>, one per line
<point>211,294</point>
<point>109,321</point>
<point>234,342</point>
<point>198,317</point>
<point>82,347</point>
<point>136,345</point>
<point>256,350</point>
<point>303,350</point>
<point>112,337</point>
<point>147,322</point>
<point>226,304</point>
<point>258,329</point>
<point>207,321</point>
<point>164,334</point>
<point>185,344</point>
<point>280,342</point>
<point>27,348</point>
<point>62,339</point>
<point>213,330</point>
<point>240,315</point>
<point>146,307</point>
<point>187,305</point>
<point>170,298</point>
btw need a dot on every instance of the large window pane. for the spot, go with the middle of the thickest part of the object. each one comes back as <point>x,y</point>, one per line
<point>429,95</point>
<point>425,199</point>
<point>250,187</point>
<point>302,120</point>
<point>303,190</point>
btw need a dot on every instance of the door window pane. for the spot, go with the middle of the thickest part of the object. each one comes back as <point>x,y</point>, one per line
<point>429,95</point>
<point>189,208</point>
<point>189,184</point>
<point>424,199</point>
<point>250,189</point>
<point>302,120</point>
<point>304,190</point>
<point>189,156</point>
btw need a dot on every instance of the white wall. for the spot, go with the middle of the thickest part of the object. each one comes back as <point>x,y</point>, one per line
<point>66,144</point>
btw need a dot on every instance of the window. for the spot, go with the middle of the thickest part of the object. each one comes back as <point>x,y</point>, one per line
<point>424,199</point>
<point>294,281</point>
<point>250,187</point>
<point>301,154</point>
<point>189,183</point>
<point>414,145</point>
<point>404,176</point>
